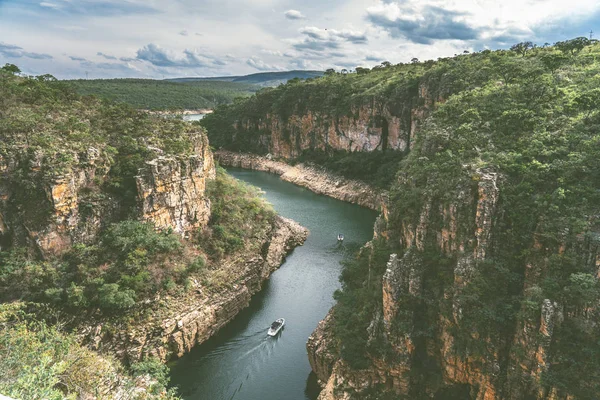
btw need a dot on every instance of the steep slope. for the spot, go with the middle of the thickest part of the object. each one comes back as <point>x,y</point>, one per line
<point>482,279</point>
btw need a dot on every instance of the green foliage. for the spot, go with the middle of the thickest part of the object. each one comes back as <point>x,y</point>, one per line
<point>164,95</point>
<point>130,262</point>
<point>11,69</point>
<point>38,361</point>
<point>238,212</point>
<point>155,369</point>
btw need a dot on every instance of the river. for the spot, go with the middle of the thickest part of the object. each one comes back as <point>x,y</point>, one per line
<point>241,362</point>
<point>193,117</point>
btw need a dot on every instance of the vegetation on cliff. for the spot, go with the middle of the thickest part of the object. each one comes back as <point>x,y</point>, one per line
<point>151,94</point>
<point>522,122</point>
<point>64,157</point>
<point>39,361</point>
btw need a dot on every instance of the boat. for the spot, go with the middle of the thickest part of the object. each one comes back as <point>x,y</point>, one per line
<point>340,237</point>
<point>276,327</point>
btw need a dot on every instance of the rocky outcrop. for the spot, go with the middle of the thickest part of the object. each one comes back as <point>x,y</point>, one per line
<point>72,206</point>
<point>171,190</point>
<point>312,178</point>
<point>177,324</point>
<point>323,352</point>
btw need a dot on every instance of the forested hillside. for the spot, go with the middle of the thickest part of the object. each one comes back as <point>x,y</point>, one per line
<point>109,215</point>
<point>483,280</point>
<point>165,95</point>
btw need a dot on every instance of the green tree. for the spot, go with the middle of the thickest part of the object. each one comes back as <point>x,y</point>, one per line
<point>11,68</point>
<point>522,48</point>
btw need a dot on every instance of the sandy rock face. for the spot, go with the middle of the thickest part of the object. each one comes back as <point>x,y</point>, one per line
<point>170,195</point>
<point>171,190</point>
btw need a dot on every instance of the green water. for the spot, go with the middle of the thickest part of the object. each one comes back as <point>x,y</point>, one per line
<point>241,362</point>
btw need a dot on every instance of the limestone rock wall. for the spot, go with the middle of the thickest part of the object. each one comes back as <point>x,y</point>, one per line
<point>171,190</point>
<point>71,206</point>
<point>377,125</point>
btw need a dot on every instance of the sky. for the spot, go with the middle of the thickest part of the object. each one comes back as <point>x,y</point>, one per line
<point>179,38</point>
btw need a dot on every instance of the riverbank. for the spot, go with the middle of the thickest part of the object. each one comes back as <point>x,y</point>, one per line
<point>172,325</point>
<point>312,178</point>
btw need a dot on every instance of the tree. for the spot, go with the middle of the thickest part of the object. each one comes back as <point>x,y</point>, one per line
<point>414,60</point>
<point>386,64</point>
<point>553,61</point>
<point>11,68</point>
<point>574,45</point>
<point>329,72</point>
<point>362,71</point>
<point>522,48</point>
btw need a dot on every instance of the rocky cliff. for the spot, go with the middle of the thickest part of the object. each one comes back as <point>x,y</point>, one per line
<point>458,357</point>
<point>61,208</point>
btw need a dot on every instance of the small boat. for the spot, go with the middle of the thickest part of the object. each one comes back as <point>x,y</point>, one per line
<point>276,327</point>
<point>340,237</point>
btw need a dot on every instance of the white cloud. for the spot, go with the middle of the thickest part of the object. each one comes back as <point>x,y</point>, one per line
<point>294,15</point>
<point>260,65</point>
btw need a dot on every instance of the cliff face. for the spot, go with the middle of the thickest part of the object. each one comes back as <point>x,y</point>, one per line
<point>365,126</point>
<point>467,360</point>
<point>175,324</point>
<point>71,206</point>
<point>171,190</point>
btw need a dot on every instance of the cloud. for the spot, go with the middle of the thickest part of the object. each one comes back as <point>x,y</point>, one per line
<point>294,15</point>
<point>260,65</point>
<point>184,33</point>
<point>103,8</point>
<point>12,51</point>
<point>160,57</point>
<point>423,27</point>
<point>77,58</point>
<point>374,58</point>
<point>107,56</point>
<point>319,40</point>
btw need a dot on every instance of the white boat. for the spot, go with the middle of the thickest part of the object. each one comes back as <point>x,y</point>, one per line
<point>340,237</point>
<point>276,327</point>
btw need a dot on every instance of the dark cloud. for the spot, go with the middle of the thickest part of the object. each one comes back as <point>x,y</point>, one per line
<point>433,23</point>
<point>160,57</point>
<point>12,51</point>
<point>77,58</point>
<point>357,38</point>
<point>107,56</point>
<point>323,39</point>
<point>184,33</point>
<point>373,58</point>
<point>294,15</point>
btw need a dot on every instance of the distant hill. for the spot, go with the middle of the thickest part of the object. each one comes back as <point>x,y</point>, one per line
<point>163,95</point>
<point>262,79</point>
